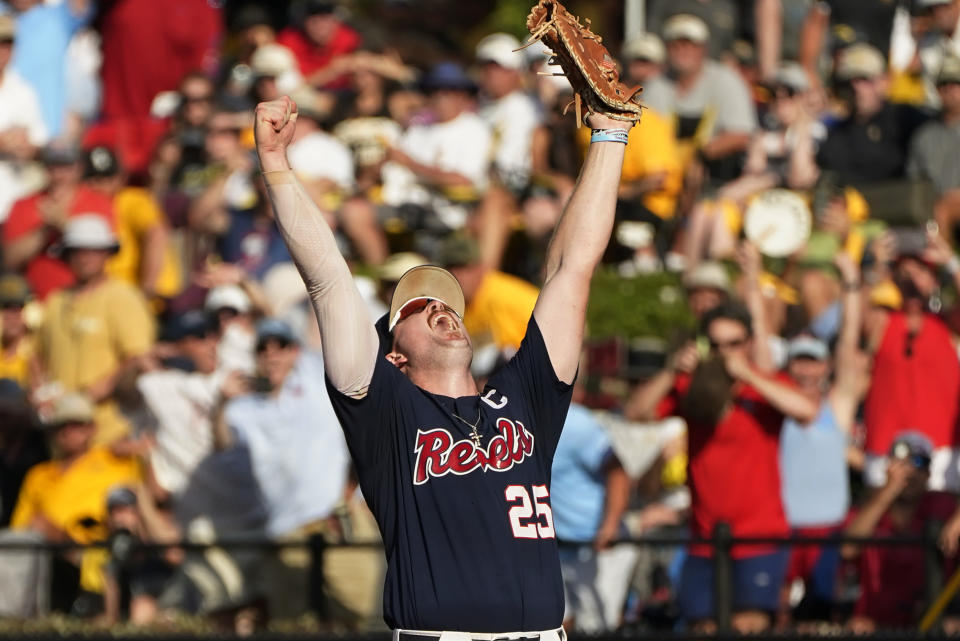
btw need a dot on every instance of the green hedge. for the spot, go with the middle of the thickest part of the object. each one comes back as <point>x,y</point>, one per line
<point>646,305</point>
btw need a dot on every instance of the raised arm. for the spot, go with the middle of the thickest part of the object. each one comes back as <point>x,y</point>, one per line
<point>578,244</point>
<point>350,343</point>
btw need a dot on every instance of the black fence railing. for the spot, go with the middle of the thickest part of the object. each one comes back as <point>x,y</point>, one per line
<point>721,541</point>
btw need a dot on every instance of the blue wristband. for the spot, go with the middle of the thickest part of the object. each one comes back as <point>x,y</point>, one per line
<point>610,135</point>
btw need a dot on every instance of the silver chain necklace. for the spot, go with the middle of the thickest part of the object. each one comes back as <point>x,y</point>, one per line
<point>474,434</point>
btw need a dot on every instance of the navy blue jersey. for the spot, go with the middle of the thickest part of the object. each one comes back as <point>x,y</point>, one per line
<point>467,530</point>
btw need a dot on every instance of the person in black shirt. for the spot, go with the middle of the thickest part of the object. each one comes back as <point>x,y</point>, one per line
<point>457,478</point>
<point>871,144</point>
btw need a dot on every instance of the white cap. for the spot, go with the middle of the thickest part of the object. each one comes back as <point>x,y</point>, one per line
<point>272,60</point>
<point>501,48</point>
<point>684,26</point>
<point>707,275</point>
<point>89,231</point>
<point>231,296</point>
<point>278,62</point>
<point>646,46</point>
<point>806,346</point>
<point>792,75</point>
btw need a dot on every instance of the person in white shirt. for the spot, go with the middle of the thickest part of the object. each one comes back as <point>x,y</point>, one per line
<point>443,166</point>
<point>297,450</point>
<point>942,39</point>
<point>325,167</point>
<point>22,131</point>
<point>512,114</point>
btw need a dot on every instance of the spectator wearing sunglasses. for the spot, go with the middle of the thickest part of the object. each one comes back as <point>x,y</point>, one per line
<point>891,588</point>
<point>284,419</point>
<point>734,415</point>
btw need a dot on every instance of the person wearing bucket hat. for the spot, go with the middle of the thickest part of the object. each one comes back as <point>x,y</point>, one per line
<point>120,325</point>
<point>447,468</point>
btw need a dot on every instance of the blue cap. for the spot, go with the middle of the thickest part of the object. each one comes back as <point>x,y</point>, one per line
<point>447,75</point>
<point>193,323</point>
<point>275,328</point>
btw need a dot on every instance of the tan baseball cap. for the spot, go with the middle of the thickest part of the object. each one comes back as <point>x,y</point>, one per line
<point>422,283</point>
<point>646,46</point>
<point>685,26</point>
<point>70,408</point>
<point>860,61</point>
<point>396,265</point>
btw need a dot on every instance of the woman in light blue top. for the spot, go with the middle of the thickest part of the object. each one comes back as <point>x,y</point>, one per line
<point>813,457</point>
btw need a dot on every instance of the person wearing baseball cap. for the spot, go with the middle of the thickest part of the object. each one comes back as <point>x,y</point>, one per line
<point>68,494</point>
<point>145,258</point>
<point>442,462</point>
<point>932,148</point>
<point>891,594</point>
<point>32,232</point>
<point>121,325</point>
<point>871,144</point>
<point>508,109</point>
<point>707,285</point>
<point>643,58</point>
<point>710,101</point>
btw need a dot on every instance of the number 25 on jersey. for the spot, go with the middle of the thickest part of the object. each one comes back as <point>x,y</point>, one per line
<point>522,508</point>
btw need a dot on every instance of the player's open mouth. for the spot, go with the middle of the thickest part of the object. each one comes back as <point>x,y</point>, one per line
<point>444,321</point>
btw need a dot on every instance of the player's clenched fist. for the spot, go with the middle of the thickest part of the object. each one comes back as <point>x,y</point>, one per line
<point>273,130</point>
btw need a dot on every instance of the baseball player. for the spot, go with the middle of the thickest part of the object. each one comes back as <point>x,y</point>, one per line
<point>457,478</point>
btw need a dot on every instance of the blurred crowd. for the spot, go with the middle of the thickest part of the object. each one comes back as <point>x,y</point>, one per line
<point>797,170</point>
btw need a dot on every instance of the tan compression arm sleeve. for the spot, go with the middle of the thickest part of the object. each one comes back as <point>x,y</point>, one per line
<point>350,343</point>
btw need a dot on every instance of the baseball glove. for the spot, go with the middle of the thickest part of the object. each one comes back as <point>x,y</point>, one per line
<point>585,62</point>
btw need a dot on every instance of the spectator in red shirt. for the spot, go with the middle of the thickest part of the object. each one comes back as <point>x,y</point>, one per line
<point>891,577</point>
<point>734,414</point>
<point>33,230</point>
<point>148,46</point>
<point>915,382</point>
<point>320,40</point>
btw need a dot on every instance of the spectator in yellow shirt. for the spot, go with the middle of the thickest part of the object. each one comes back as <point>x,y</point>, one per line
<point>498,305</point>
<point>65,499</point>
<point>17,355</point>
<point>98,329</point>
<point>650,185</point>
<point>146,258</point>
